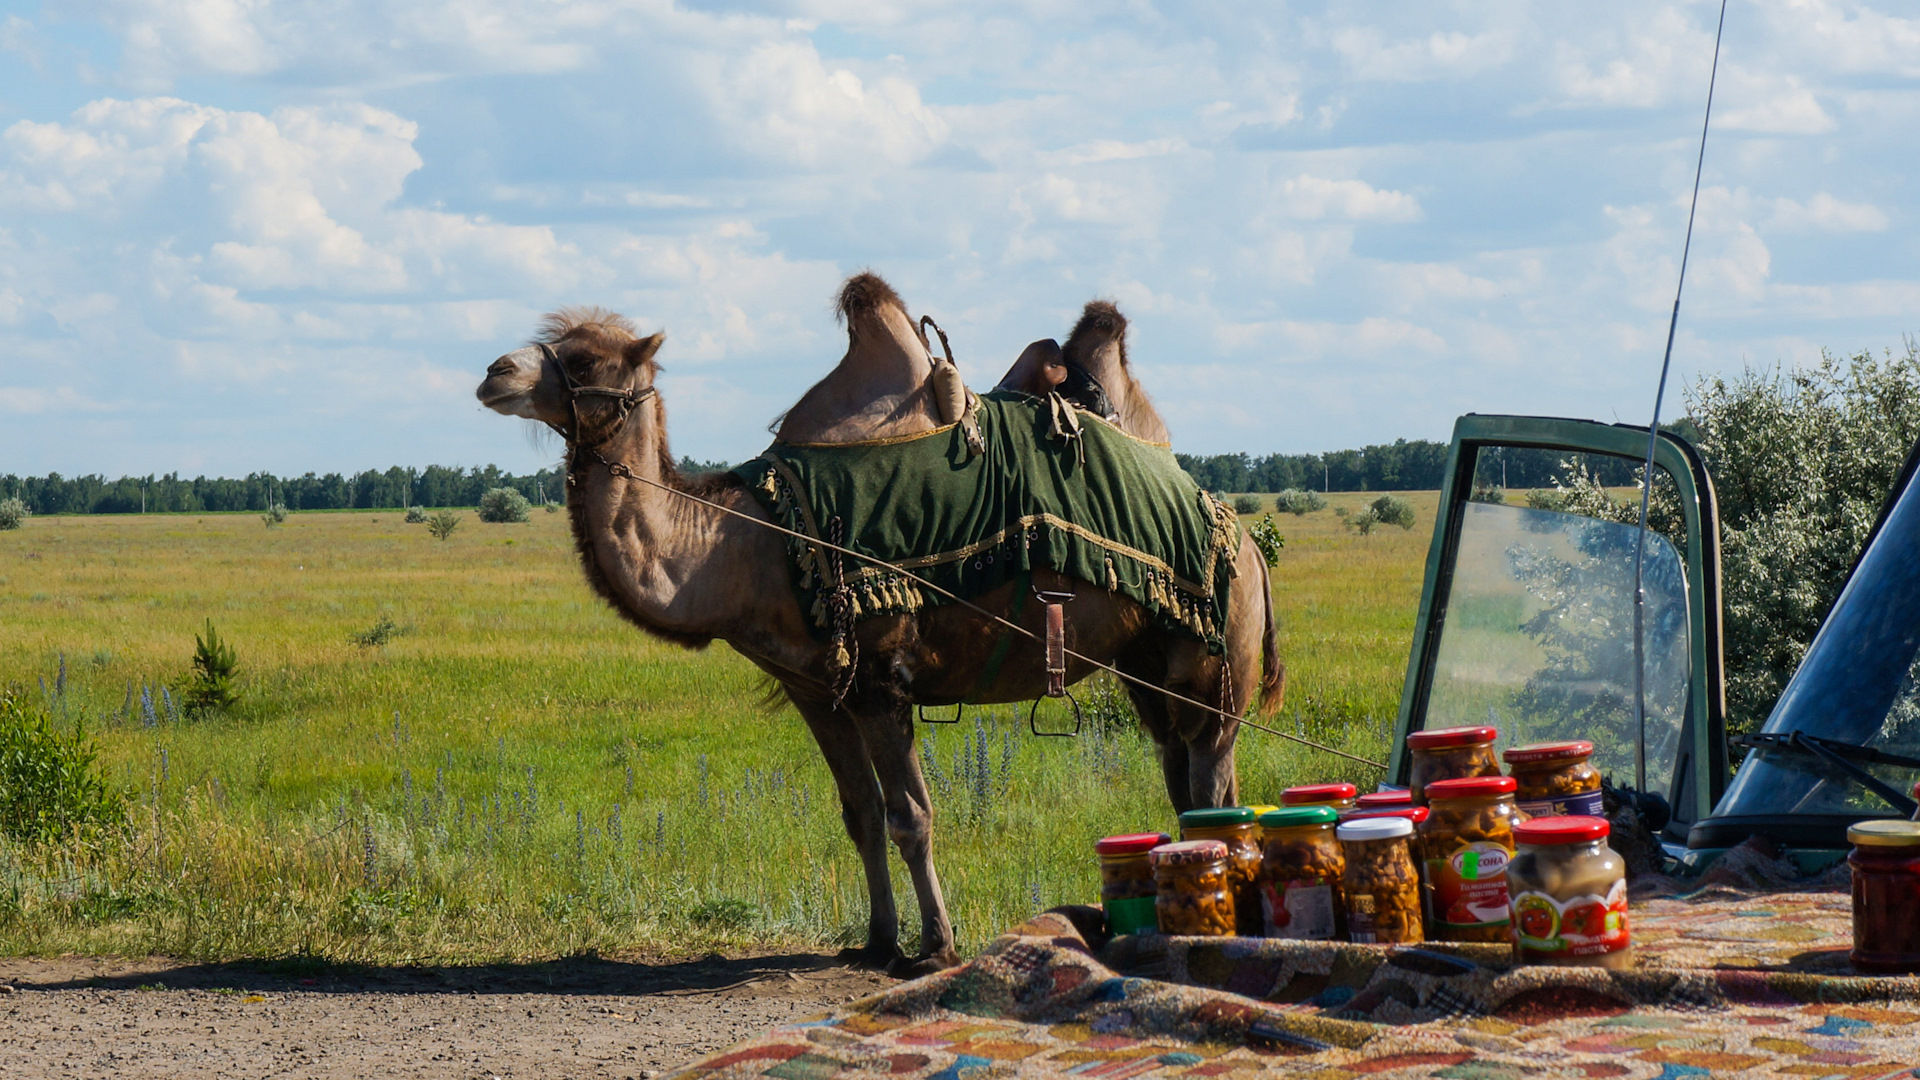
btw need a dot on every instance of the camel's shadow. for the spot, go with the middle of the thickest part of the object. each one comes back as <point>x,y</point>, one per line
<point>583,975</point>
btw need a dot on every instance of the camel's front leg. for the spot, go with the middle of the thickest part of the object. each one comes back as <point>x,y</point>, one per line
<point>865,816</point>
<point>888,733</point>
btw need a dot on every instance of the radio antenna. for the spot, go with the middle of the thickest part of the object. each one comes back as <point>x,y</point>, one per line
<point>1653,442</point>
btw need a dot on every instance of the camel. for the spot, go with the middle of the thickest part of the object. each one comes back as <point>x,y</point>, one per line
<point>690,573</point>
<point>1091,371</point>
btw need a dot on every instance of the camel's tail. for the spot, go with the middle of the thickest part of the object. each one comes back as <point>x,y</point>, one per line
<point>1273,673</point>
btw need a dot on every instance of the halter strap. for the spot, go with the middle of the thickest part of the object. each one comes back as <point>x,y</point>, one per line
<point>627,397</point>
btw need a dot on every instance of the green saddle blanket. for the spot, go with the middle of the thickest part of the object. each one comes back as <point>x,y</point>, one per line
<point>1100,506</point>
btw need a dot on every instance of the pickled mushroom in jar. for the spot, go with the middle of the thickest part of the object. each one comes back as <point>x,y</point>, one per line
<point>1455,753</point>
<point>1193,896</point>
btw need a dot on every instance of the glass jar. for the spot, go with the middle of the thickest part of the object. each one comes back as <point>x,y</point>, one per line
<point>1233,826</point>
<point>1259,809</point>
<point>1383,890</point>
<point>1301,894</point>
<point>1454,753</point>
<point>1416,814</point>
<point>1127,890</point>
<point>1555,779</point>
<point>1465,846</point>
<point>1395,799</point>
<point>1192,895</point>
<point>1569,894</point>
<point>1886,895</point>
<point>1338,796</point>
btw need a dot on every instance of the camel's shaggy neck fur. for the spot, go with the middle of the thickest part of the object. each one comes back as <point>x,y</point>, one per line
<point>1099,344</point>
<point>672,567</point>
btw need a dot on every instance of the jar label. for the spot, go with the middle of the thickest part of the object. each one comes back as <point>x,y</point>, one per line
<point>1585,804</point>
<point>1297,909</point>
<point>1131,916</point>
<point>1363,923</point>
<point>1469,887</point>
<point>1581,926</point>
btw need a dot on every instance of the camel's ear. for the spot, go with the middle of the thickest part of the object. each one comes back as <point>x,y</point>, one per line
<point>642,351</point>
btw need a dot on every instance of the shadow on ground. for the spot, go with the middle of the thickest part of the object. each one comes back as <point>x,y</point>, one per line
<point>575,975</point>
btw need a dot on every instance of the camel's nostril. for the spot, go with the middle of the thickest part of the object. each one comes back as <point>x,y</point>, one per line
<point>502,366</point>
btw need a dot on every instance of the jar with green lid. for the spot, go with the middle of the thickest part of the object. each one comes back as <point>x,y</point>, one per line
<point>1886,896</point>
<point>1126,881</point>
<point>1300,870</point>
<point>1192,894</point>
<point>1233,826</point>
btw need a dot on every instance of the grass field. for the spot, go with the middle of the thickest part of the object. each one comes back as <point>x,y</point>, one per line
<point>516,773</point>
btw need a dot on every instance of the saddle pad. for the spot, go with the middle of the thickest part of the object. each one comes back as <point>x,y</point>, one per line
<point>1100,506</point>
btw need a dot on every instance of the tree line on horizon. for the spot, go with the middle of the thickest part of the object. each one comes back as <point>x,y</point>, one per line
<point>1402,465</point>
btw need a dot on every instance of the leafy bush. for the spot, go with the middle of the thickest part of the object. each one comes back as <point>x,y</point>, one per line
<point>1801,463</point>
<point>1299,503</point>
<point>1488,493</point>
<point>1546,499</point>
<point>1392,510</point>
<point>1266,536</point>
<point>1246,504</point>
<point>49,789</point>
<point>442,524</point>
<point>1363,522</point>
<point>553,508</point>
<point>416,514</point>
<point>211,686</point>
<point>502,506</point>
<point>274,514</point>
<point>378,634</point>
<point>12,513</point>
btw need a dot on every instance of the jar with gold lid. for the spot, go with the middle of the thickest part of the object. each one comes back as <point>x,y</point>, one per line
<point>1885,862</point>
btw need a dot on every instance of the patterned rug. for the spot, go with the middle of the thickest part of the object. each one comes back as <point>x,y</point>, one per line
<point>1728,982</point>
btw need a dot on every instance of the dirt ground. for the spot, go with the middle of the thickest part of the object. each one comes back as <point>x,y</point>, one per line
<point>580,1018</point>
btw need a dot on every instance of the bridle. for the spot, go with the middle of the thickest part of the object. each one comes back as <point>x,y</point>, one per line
<point>627,397</point>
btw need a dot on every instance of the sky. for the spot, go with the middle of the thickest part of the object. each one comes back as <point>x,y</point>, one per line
<point>239,235</point>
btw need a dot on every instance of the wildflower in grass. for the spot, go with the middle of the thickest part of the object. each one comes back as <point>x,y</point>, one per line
<point>173,710</point>
<point>60,680</point>
<point>126,707</point>
<point>629,779</point>
<point>368,853</point>
<point>148,718</point>
<point>1006,761</point>
<point>1033,893</point>
<point>163,765</point>
<point>579,836</point>
<point>660,830</point>
<point>613,825</point>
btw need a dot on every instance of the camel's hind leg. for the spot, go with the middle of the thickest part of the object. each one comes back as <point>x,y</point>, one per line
<point>888,734</point>
<point>865,815</point>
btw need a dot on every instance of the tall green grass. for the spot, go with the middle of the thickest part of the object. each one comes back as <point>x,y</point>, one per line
<point>516,773</point>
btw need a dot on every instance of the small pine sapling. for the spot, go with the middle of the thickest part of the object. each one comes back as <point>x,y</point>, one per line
<point>212,686</point>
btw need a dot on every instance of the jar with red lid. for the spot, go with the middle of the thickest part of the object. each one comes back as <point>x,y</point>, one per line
<point>1555,779</point>
<point>1455,753</point>
<point>1465,846</point>
<point>1192,894</point>
<point>1416,814</point>
<point>1339,796</point>
<point>1886,895</point>
<point>1127,889</point>
<point>1568,894</point>
<point>1393,799</point>
<point>1235,827</point>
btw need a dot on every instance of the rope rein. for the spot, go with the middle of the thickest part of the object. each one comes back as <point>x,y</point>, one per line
<point>622,470</point>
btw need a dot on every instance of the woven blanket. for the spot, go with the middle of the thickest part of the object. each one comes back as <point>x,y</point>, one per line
<point>1729,982</point>
<point>1100,506</point>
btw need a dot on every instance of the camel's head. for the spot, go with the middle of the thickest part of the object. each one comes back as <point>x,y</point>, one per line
<point>577,347</point>
<point>1099,343</point>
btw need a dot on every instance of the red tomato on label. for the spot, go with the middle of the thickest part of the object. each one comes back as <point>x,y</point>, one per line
<point>1586,920</point>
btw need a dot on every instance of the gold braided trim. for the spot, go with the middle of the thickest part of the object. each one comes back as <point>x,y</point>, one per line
<point>1123,431</point>
<point>1020,526</point>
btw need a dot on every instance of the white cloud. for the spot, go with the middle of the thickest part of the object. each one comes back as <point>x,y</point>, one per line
<point>1824,213</point>
<point>1314,198</point>
<point>1440,55</point>
<point>781,100</point>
